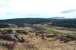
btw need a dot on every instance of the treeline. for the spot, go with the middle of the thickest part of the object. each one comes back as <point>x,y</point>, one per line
<point>21,21</point>
<point>56,22</point>
<point>25,20</point>
<point>64,22</point>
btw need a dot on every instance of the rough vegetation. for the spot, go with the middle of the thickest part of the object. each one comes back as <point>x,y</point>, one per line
<point>38,37</point>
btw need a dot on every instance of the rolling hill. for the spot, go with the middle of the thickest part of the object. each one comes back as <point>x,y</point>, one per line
<point>57,22</point>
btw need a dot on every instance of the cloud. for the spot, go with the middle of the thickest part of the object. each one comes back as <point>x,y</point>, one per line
<point>69,11</point>
<point>34,8</point>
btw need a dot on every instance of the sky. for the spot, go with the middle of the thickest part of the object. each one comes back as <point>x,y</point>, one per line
<point>36,8</point>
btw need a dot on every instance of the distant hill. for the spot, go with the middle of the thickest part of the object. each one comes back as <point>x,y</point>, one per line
<point>64,22</point>
<point>55,22</point>
<point>58,18</point>
<point>25,20</point>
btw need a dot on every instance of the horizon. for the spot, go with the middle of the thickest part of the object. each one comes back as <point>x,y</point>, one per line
<point>41,18</point>
<point>10,9</point>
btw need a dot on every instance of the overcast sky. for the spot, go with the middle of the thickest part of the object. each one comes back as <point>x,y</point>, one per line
<point>36,8</point>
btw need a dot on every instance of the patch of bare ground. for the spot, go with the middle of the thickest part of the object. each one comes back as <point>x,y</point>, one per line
<point>65,31</point>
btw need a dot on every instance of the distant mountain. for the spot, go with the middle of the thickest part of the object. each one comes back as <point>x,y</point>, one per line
<point>58,18</point>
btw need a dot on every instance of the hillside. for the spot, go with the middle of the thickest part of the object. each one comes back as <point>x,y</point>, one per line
<point>24,20</point>
<point>55,22</point>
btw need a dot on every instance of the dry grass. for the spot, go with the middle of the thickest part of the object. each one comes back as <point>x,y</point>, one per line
<point>36,43</point>
<point>39,44</point>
